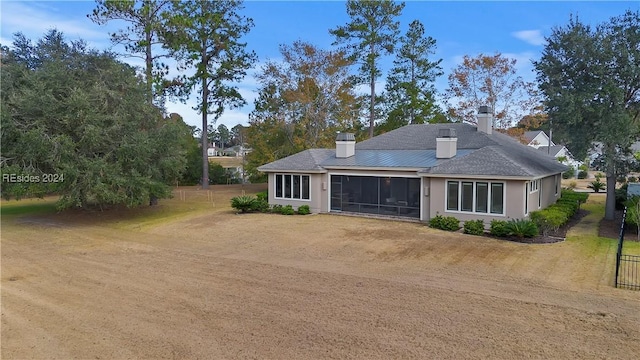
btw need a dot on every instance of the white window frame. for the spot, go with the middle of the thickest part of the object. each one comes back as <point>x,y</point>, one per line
<point>526,198</point>
<point>489,186</point>
<point>534,185</point>
<point>275,185</point>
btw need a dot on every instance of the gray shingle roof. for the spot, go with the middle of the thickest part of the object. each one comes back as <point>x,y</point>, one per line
<point>414,146</point>
<point>553,151</point>
<point>308,160</point>
<point>530,135</point>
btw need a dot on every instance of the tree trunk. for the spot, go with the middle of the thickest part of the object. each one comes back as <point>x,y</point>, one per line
<point>148,55</point>
<point>373,95</point>
<point>205,134</point>
<point>610,205</point>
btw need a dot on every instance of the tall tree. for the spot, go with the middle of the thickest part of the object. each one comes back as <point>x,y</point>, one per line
<point>223,135</point>
<point>77,120</point>
<point>207,35</point>
<point>410,84</point>
<point>590,78</point>
<point>303,101</point>
<point>238,135</point>
<point>371,33</point>
<point>142,38</point>
<point>489,80</point>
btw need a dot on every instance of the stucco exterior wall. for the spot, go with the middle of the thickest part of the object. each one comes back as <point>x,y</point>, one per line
<point>513,201</point>
<point>315,193</point>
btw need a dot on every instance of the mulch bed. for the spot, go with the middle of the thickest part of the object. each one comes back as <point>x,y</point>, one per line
<point>553,236</point>
<point>611,228</point>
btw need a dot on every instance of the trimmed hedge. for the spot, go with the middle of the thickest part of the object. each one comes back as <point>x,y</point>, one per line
<point>498,228</point>
<point>556,215</point>
<point>304,210</point>
<point>474,227</point>
<point>447,223</point>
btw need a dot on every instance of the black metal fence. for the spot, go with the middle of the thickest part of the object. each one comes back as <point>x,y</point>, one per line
<point>627,266</point>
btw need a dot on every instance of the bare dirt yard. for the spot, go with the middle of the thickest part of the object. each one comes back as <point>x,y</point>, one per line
<point>192,279</point>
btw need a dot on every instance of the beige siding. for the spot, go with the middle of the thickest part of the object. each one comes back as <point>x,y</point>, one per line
<point>513,201</point>
<point>315,194</point>
<point>548,193</point>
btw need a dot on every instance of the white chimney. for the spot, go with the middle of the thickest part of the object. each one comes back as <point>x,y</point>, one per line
<point>345,145</point>
<point>485,120</point>
<point>446,144</point>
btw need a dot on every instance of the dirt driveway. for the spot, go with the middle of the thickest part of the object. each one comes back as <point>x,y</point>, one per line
<point>211,284</point>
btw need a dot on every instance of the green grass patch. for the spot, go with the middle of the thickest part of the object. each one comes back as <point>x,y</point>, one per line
<point>585,233</point>
<point>27,207</point>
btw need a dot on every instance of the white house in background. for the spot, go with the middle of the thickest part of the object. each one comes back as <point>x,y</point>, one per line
<point>559,151</point>
<point>537,139</point>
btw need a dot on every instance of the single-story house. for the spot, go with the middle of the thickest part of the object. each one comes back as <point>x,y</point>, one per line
<point>418,171</point>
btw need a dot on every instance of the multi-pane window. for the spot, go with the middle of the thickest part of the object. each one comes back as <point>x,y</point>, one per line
<point>292,186</point>
<point>475,196</point>
<point>534,185</point>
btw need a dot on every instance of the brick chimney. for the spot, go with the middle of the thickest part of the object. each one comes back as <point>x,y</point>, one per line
<point>345,145</point>
<point>446,144</point>
<point>485,120</point>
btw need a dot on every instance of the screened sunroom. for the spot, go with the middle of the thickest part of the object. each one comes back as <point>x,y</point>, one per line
<point>390,196</point>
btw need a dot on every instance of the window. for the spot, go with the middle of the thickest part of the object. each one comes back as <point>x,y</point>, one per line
<point>467,196</point>
<point>452,195</point>
<point>497,198</point>
<point>482,197</point>
<point>292,186</point>
<point>526,198</point>
<point>540,197</point>
<point>478,197</point>
<point>534,185</point>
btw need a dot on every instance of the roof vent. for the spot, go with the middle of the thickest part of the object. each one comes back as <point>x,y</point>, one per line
<point>446,143</point>
<point>345,137</point>
<point>345,145</point>
<point>485,120</point>
<point>447,133</point>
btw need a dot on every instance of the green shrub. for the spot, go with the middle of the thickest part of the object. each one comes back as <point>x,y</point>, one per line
<point>243,203</point>
<point>632,179</point>
<point>260,205</point>
<point>596,185</point>
<point>287,210</point>
<point>304,210</point>
<point>583,167</point>
<point>582,174</point>
<point>621,196</point>
<point>569,173</point>
<point>474,227</point>
<point>549,219</point>
<point>263,195</point>
<point>522,228</point>
<point>276,209</point>
<point>448,223</point>
<point>498,228</point>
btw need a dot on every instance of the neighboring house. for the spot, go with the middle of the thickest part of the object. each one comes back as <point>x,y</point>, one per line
<point>233,165</point>
<point>418,171</point>
<point>537,138</point>
<point>560,151</point>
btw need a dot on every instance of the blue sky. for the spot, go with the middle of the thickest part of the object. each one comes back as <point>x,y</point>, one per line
<point>515,29</point>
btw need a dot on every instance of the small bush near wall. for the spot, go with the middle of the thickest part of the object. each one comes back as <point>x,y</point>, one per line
<point>448,223</point>
<point>522,228</point>
<point>549,219</point>
<point>287,210</point>
<point>263,195</point>
<point>474,227</point>
<point>498,228</point>
<point>582,174</point>
<point>569,173</point>
<point>304,210</point>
